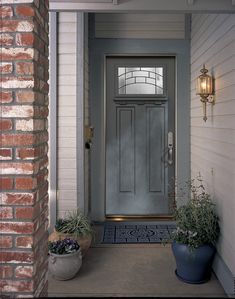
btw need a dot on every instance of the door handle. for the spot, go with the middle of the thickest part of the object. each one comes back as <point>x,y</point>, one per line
<point>170,148</point>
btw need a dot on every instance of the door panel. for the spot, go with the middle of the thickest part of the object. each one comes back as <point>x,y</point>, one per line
<point>126,150</point>
<point>155,144</point>
<point>137,172</point>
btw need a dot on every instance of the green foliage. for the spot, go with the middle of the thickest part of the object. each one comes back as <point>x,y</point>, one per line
<point>65,246</point>
<point>60,224</point>
<point>196,221</point>
<point>74,223</point>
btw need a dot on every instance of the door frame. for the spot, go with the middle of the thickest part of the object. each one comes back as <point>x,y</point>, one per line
<point>100,49</point>
<point>104,125</point>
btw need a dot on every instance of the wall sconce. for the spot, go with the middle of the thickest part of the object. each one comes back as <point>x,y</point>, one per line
<point>204,88</point>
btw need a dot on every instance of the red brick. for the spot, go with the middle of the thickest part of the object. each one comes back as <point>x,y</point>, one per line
<point>17,257</point>
<point>42,176</point>
<point>17,168</point>
<point>27,153</point>
<point>6,213</point>
<point>5,242</point>
<point>6,12</point>
<point>25,96</point>
<point>39,44</point>
<point>30,153</point>
<point>30,125</point>
<point>25,183</point>
<point>42,191</point>
<point>5,124</point>
<point>18,139</point>
<point>6,39</point>
<point>44,215</point>
<point>16,25</point>
<point>43,163</point>
<point>6,97</point>
<point>12,54</point>
<point>5,154</point>
<point>16,286</point>
<point>40,234</point>
<point>44,202</point>
<point>24,11</point>
<point>24,139</point>
<point>16,227</point>
<point>25,68</point>
<point>24,213</point>
<point>24,272</point>
<point>22,198</point>
<point>24,39</point>
<point>6,183</point>
<point>17,82</point>
<point>6,272</point>
<point>17,111</point>
<point>6,67</point>
<point>41,111</point>
<point>24,242</point>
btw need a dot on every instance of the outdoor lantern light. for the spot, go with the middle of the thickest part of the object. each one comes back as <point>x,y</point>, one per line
<point>204,89</point>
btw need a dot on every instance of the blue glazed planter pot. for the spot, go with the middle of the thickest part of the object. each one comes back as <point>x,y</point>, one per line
<point>193,266</point>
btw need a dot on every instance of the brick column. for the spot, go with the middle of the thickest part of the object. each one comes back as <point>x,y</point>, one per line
<point>23,153</point>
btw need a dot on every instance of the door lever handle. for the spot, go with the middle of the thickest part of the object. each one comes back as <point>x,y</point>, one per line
<point>170,155</point>
<point>170,148</point>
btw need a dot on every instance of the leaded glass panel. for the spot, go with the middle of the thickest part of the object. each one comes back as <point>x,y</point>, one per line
<point>140,80</point>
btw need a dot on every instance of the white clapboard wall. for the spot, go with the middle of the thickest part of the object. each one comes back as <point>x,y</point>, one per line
<point>86,115</point>
<point>213,142</point>
<point>152,26</point>
<point>67,130</point>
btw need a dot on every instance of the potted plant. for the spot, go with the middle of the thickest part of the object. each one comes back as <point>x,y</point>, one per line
<point>197,230</point>
<point>74,225</point>
<point>65,258</point>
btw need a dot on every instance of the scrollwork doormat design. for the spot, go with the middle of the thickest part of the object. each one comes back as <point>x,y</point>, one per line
<point>134,233</point>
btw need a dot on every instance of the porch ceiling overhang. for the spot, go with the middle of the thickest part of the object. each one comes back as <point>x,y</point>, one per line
<point>157,6</point>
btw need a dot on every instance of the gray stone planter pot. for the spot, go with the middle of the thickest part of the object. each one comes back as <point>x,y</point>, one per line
<point>65,266</point>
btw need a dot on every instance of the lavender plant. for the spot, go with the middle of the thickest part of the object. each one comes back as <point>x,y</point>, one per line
<point>64,246</point>
<point>196,221</point>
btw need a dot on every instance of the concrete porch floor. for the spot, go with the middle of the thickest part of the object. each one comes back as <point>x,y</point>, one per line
<point>132,270</point>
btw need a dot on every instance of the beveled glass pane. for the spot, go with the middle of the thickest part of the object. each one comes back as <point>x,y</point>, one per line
<point>150,81</point>
<point>122,90</point>
<point>140,88</point>
<point>140,80</point>
<point>130,81</point>
<point>131,69</point>
<point>159,90</point>
<point>121,70</point>
<point>140,74</point>
<point>121,81</point>
<point>159,71</point>
<point>149,69</point>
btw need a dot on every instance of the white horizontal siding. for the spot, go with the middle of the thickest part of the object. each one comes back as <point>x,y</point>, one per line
<point>153,26</point>
<point>213,142</point>
<point>67,130</point>
<point>86,116</point>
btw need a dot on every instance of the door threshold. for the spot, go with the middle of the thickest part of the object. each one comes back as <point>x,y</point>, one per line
<point>140,218</point>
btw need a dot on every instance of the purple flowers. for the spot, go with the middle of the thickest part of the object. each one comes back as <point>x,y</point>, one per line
<point>64,246</point>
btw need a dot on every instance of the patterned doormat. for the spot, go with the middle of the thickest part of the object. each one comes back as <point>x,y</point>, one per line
<point>136,233</point>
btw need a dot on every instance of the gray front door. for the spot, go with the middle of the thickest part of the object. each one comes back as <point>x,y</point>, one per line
<point>139,135</point>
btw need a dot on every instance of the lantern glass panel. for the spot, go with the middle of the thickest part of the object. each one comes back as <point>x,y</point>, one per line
<point>204,85</point>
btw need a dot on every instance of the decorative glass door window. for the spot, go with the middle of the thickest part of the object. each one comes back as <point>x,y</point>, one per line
<point>140,80</point>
